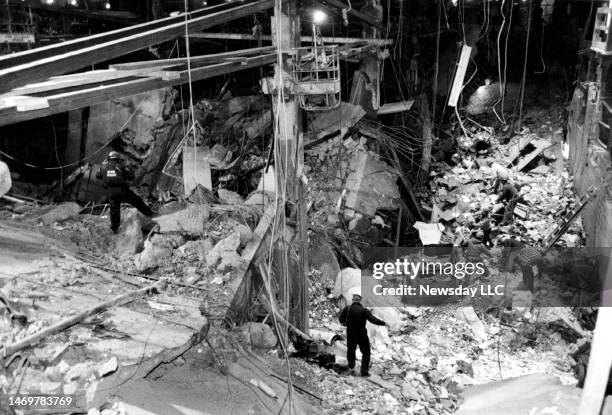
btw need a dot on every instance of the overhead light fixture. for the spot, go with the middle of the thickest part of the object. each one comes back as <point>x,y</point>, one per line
<point>74,3</point>
<point>318,17</point>
<point>204,3</point>
<point>50,1</point>
<point>107,6</point>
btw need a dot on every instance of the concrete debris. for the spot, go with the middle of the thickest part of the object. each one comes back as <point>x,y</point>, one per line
<point>229,197</point>
<point>60,213</point>
<point>468,315</point>
<point>323,258</point>
<point>156,250</point>
<point>371,185</point>
<point>223,248</point>
<point>348,282</point>
<point>345,116</point>
<point>260,336</point>
<point>200,248</point>
<point>5,179</point>
<point>189,221</point>
<point>429,233</point>
<point>129,239</point>
<point>107,367</point>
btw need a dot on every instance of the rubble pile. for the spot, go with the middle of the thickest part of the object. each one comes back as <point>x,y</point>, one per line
<point>461,192</point>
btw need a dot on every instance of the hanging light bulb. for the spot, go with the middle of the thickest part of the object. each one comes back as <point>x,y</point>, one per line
<point>74,3</point>
<point>107,6</point>
<point>50,2</point>
<point>318,17</point>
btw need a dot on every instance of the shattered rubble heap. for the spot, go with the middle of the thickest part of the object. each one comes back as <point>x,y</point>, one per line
<point>59,263</point>
<point>533,161</point>
<point>425,360</point>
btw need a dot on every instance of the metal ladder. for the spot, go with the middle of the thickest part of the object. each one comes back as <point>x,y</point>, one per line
<point>564,223</point>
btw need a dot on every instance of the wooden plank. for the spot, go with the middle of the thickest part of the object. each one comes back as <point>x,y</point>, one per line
<point>527,159</point>
<point>395,107</point>
<point>66,101</point>
<point>68,81</point>
<point>41,69</point>
<point>31,55</point>
<point>212,58</point>
<point>460,75</point>
<point>306,39</point>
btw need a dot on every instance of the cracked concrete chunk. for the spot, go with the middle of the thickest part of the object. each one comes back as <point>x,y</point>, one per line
<point>260,335</point>
<point>229,197</point>
<point>223,248</point>
<point>60,213</point>
<point>107,367</point>
<point>189,221</point>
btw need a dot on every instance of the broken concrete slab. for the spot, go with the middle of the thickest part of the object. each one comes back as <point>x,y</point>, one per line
<point>5,179</point>
<point>189,220</point>
<point>323,258</point>
<point>345,116</point>
<point>60,213</point>
<point>371,184</point>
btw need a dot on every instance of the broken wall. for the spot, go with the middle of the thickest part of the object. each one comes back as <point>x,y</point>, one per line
<point>590,164</point>
<point>139,114</point>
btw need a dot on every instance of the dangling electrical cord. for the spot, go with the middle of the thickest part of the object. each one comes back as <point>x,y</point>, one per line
<point>345,13</point>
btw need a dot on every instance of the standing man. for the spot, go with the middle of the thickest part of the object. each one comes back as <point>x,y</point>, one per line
<point>115,177</point>
<point>354,317</point>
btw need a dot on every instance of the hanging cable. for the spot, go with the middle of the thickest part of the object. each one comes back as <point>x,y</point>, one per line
<point>502,85</point>
<point>524,80</point>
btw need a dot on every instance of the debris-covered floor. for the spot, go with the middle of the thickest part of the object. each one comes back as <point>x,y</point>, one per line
<point>62,260</point>
<point>188,223</point>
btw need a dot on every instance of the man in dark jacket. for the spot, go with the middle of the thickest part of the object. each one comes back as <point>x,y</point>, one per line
<point>115,177</point>
<point>354,317</point>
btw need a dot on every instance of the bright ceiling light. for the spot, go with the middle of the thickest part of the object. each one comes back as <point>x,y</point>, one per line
<point>318,17</point>
<point>50,1</point>
<point>107,6</point>
<point>74,2</point>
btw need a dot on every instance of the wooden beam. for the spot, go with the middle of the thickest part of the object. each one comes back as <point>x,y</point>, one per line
<point>306,39</point>
<point>213,58</point>
<point>90,95</point>
<point>31,55</point>
<point>19,75</point>
<point>464,60</point>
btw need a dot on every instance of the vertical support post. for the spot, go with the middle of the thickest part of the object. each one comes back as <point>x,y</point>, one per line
<point>600,359</point>
<point>289,161</point>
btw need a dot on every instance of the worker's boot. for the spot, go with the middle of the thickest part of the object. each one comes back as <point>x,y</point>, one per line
<point>352,372</point>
